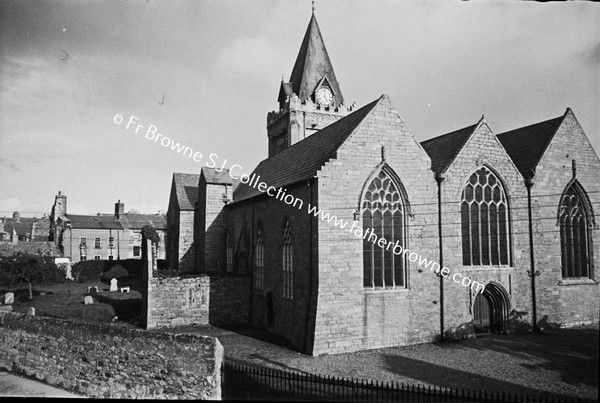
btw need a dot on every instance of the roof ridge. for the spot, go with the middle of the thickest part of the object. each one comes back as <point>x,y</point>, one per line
<point>474,126</point>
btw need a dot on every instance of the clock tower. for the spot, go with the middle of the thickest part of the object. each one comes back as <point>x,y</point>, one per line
<point>312,98</point>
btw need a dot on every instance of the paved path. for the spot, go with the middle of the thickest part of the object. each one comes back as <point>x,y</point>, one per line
<point>11,385</point>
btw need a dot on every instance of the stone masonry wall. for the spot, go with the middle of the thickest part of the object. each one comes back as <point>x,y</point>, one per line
<point>349,316</point>
<point>102,361</point>
<point>186,241</point>
<point>484,149</point>
<point>290,315</point>
<point>229,300</point>
<point>565,301</point>
<point>175,301</point>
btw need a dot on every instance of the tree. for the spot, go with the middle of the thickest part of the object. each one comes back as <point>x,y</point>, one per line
<point>27,268</point>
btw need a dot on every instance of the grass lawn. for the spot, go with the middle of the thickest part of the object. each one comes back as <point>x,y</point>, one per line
<point>65,301</point>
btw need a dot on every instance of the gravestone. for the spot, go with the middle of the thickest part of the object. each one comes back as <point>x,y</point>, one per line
<point>31,311</point>
<point>113,285</point>
<point>9,298</point>
<point>88,300</point>
<point>92,290</point>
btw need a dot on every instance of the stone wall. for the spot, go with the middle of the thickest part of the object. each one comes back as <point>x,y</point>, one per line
<point>175,301</point>
<point>186,241</point>
<point>564,301</point>
<point>229,300</point>
<point>349,316</point>
<point>102,361</point>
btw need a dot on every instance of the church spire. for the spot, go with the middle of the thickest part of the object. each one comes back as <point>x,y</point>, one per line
<point>313,68</point>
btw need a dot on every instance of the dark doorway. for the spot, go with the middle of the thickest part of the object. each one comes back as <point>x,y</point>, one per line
<point>270,312</point>
<point>490,310</point>
<point>482,314</point>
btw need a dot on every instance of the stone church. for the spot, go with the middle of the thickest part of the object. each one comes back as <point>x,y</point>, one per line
<point>513,211</point>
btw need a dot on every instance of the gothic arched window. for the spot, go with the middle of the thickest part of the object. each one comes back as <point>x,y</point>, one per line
<point>229,252</point>
<point>384,215</point>
<point>574,236</point>
<point>259,259</point>
<point>288,260</point>
<point>485,221</point>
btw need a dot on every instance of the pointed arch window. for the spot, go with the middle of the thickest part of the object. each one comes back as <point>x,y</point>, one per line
<point>575,242</point>
<point>288,260</point>
<point>259,259</point>
<point>384,215</point>
<point>485,221</point>
<point>229,252</point>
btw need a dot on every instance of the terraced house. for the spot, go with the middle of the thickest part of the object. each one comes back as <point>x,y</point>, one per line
<point>514,211</point>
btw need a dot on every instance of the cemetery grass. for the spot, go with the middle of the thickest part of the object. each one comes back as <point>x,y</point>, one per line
<point>65,301</point>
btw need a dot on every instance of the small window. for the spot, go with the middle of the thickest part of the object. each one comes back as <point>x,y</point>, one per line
<point>97,257</point>
<point>97,243</point>
<point>83,242</point>
<point>110,257</point>
<point>111,241</point>
<point>83,257</point>
<point>136,251</point>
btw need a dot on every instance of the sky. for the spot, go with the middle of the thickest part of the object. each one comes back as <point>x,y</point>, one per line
<point>205,74</point>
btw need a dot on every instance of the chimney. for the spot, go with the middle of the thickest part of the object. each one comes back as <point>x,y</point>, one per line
<point>16,216</point>
<point>119,208</point>
<point>60,205</point>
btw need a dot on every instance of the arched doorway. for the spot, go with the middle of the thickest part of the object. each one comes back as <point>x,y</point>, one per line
<point>490,310</point>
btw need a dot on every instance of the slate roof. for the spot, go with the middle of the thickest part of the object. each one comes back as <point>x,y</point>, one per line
<point>303,159</point>
<point>527,145</point>
<point>211,175</point>
<point>23,227</point>
<point>312,64</point>
<point>137,221</point>
<point>443,149</point>
<point>186,190</point>
<point>93,221</point>
<point>41,248</point>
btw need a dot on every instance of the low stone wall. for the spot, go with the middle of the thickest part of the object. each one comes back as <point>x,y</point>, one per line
<point>175,301</point>
<point>104,361</point>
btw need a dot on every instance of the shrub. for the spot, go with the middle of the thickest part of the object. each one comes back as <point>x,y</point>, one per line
<point>116,271</point>
<point>88,271</point>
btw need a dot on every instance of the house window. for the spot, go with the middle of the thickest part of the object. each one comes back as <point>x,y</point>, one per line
<point>259,269</point>
<point>384,214</point>
<point>229,257</point>
<point>288,261</point>
<point>97,257</point>
<point>111,241</point>
<point>97,243</point>
<point>83,243</point>
<point>110,257</point>
<point>83,257</point>
<point>485,221</point>
<point>575,240</point>
<point>136,251</point>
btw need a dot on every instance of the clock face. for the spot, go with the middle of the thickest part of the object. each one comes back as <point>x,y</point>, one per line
<point>324,96</point>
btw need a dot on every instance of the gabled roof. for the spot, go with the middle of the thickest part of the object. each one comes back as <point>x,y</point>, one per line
<point>186,190</point>
<point>137,221</point>
<point>211,175</point>
<point>312,65</point>
<point>527,145</point>
<point>23,227</point>
<point>93,221</point>
<point>303,159</point>
<point>443,149</point>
